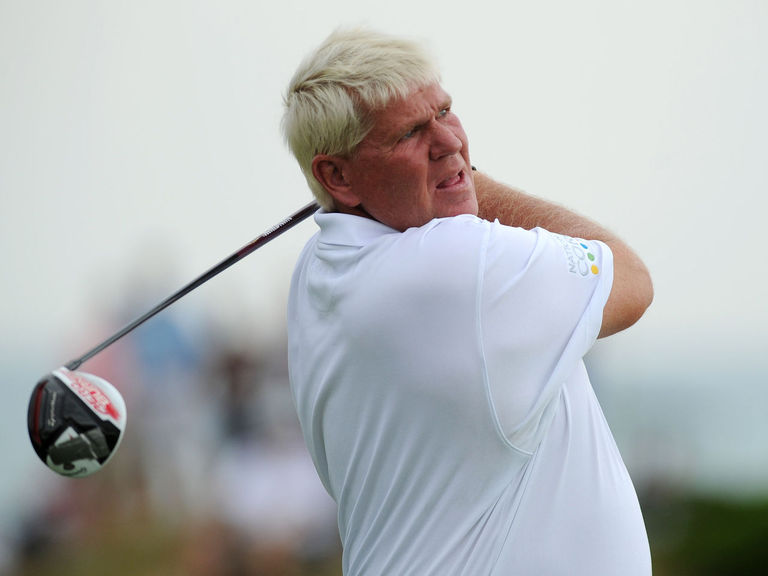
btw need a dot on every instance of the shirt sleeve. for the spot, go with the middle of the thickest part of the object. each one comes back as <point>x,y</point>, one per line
<point>541,307</point>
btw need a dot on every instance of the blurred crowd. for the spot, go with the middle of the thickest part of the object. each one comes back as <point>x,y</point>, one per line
<point>212,476</point>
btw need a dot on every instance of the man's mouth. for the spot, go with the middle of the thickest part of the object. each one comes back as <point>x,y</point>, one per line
<point>452,181</point>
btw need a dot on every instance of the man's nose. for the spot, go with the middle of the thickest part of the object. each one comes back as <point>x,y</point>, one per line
<point>445,141</point>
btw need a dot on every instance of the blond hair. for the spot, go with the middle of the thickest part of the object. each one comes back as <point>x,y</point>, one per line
<point>331,97</point>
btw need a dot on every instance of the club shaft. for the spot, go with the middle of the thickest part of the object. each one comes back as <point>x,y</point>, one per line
<point>257,242</point>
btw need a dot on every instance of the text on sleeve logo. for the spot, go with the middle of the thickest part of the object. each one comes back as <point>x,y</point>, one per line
<point>580,259</point>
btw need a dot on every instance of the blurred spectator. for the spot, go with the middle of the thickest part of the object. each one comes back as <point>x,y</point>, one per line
<point>172,418</point>
<point>264,483</point>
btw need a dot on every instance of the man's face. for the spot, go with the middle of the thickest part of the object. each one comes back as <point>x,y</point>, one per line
<point>414,164</point>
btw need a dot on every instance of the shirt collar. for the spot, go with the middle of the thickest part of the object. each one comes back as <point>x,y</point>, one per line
<point>349,230</point>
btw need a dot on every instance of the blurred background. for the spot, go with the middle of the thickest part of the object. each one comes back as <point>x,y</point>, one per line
<point>140,144</point>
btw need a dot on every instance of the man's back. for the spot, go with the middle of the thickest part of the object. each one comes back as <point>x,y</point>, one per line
<point>438,379</point>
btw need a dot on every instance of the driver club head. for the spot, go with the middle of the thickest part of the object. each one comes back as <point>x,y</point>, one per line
<point>76,422</point>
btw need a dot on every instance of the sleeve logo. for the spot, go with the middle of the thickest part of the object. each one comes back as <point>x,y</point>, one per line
<point>579,256</point>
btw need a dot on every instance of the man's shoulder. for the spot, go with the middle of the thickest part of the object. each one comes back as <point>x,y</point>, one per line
<point>471,232</point>
<point>452,235</point>
<point>467,222</point>
<point>450,229</point>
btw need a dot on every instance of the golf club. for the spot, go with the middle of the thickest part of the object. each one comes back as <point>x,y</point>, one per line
<point>76,420</point>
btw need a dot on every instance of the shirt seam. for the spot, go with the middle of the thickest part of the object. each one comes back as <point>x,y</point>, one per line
<point>479,329</point>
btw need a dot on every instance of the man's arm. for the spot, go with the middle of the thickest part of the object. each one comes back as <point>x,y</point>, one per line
<point>632,290</point>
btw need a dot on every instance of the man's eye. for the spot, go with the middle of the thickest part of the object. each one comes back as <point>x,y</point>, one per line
<point>409,134</point>
<point>444,111</point>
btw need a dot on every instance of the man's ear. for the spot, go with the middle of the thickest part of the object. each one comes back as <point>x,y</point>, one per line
<point>330,172</point>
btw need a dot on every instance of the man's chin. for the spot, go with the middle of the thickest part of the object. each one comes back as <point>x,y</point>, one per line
<point>466,206</point>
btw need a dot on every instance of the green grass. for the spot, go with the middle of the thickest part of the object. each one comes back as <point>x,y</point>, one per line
<point>699,536</point>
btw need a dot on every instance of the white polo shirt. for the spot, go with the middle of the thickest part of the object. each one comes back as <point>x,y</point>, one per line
<point>438,378</point>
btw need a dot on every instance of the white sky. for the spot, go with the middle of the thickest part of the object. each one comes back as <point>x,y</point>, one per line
<point>126,126</point>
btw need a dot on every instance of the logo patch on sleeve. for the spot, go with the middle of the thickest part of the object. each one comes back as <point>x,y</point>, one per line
<point>579,255</point>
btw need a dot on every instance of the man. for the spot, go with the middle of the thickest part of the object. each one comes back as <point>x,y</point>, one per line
<point>437,325</point>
